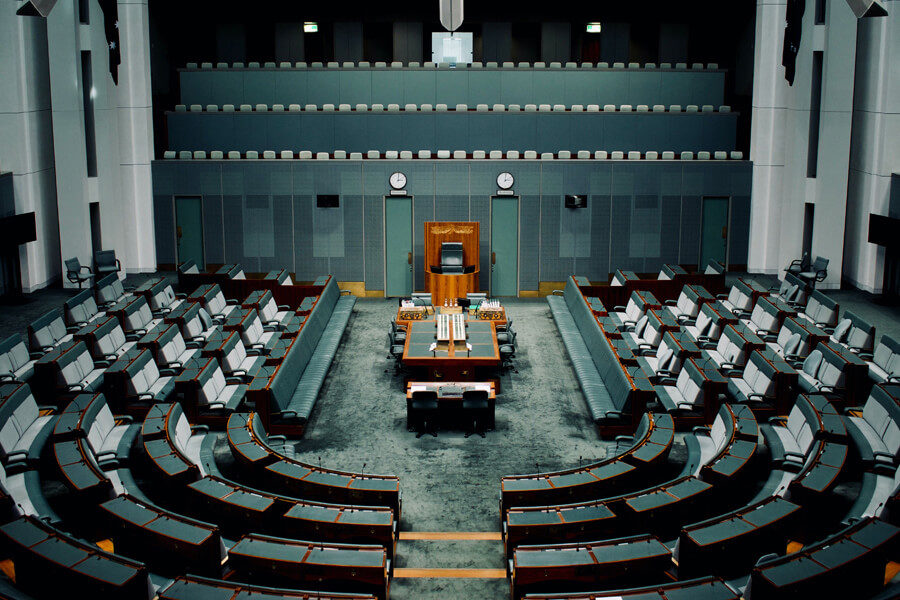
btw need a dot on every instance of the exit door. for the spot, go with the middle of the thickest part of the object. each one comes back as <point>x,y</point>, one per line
<point>398,246</point>
<point>189,229</point>
<point>504,246</point>
<point>714,230</point>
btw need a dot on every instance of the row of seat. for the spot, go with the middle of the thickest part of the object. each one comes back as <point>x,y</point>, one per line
<point>375,108</point>
<point>456,154</point>
<point>431,65</point>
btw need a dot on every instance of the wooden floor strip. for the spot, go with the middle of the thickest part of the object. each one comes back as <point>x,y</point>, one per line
<point>492,536</point>
<point>450,573</point>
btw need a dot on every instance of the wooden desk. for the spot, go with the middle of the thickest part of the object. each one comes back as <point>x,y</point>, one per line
<point>448,286</point>
<point>405,316</point>
<point>450,400</point>
<point>452,362</point>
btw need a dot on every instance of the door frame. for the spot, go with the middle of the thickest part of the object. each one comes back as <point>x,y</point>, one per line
<point>412,239</point>
<point>175,230</point>
<point>518,240</point>
<point>727,227</point>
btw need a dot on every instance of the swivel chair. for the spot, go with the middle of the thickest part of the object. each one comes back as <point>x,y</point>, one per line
<point>74,273</point>
<point>422,410</point>
<point>475,404</point>
<point>452,258</point>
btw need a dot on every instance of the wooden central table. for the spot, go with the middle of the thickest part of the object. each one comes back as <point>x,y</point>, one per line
<point>453,361</point>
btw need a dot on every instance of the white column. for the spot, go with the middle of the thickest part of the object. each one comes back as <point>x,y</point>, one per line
<point>780,139</point>
<point>26,139</point>
<point>767,138</point>
<point>136,136</point>
<point>875,145</point>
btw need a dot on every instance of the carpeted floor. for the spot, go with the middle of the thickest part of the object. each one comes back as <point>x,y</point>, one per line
<point>450,483</point>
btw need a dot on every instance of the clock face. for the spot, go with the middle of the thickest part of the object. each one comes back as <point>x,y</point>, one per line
<point>398,180</point>
<point>505,180</point>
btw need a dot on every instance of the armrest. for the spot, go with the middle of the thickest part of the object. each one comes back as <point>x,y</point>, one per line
<point>72,328</point>
<point>18,455</point>
<point>199,428</point>
<point>35,355</point>
<point>101,363</point>
<point>85,268</point>
<point>277,438</point>
<point>7,377</point>
<point>193,344</point>
<point>234,380</point>
<point>167,373</point>
<point>284,307</point>
<point>671,303</point>
<point>124,419</point>
<point>852,411</point>
<point>778,420</point>
<point>285,413</point>
<point>252,351</point>
<point>619,308</point>
<point>174,365</point>
<point>75,387</point>
<point>701,429</point>
<point>230,302</point>
<point>721,296</point>
<point>624,438</point>
<point>133,337</point>
<point>145,396</point>
<point>346,293</point>
<point>894,379</point>
<point>866,355</point>
<point>557,292</point>
<point>727,365</point>
<point>826,388</point>
<point>613,413</point>
<point>239,372</point>
<point>756,397</point>
<point>118,265</point>
<point>181,295</point>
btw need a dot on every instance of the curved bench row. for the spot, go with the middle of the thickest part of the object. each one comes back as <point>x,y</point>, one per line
<point>704,588</point>
<point>192,587</point>
<point>718,155</point>
<point>650,448</point>
<point>252,447</point>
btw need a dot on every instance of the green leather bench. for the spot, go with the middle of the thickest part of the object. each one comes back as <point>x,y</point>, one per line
<point>296,383</point>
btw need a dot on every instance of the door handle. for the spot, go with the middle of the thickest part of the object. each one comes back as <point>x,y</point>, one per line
<point>409,258</point>
<point>178,229</point>
<point>725,232</point>
<point>493,258</point>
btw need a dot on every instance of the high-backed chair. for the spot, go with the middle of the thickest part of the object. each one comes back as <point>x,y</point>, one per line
<point>78,273</point>
<point>15,361</point>
<point>105,262</point>
<point>885,363</point>
<point>876,429</point>
<point>81,309</point>
<point>452,258</point>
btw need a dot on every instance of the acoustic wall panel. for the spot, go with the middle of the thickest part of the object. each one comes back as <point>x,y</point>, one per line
<point>262,213</point>
<point>164,228</point>
<point>213,229</point>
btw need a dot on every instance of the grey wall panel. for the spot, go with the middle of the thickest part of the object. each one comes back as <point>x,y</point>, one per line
<point>739,233</point>
<point>516,86</point>
<point>484,87</point>
<point>291,85</point>
<point>640,214</point>
<point>451,131</point>
<point>496,42</point>
<point>451,86</point>
<point>164,217</point>
<point>530,242</point>
<point>259,87</point>
<point>213,229</point>
<point>387,87</point>
<point>348,41</point>
<point>250,133</point>
<point>418,132</point>
<point>556,42</point>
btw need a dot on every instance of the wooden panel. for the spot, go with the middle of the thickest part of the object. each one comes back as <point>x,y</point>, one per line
<point>437,232</point>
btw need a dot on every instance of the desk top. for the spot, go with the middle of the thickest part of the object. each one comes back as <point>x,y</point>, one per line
<point>441,388</point>
<point>481,335</point>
